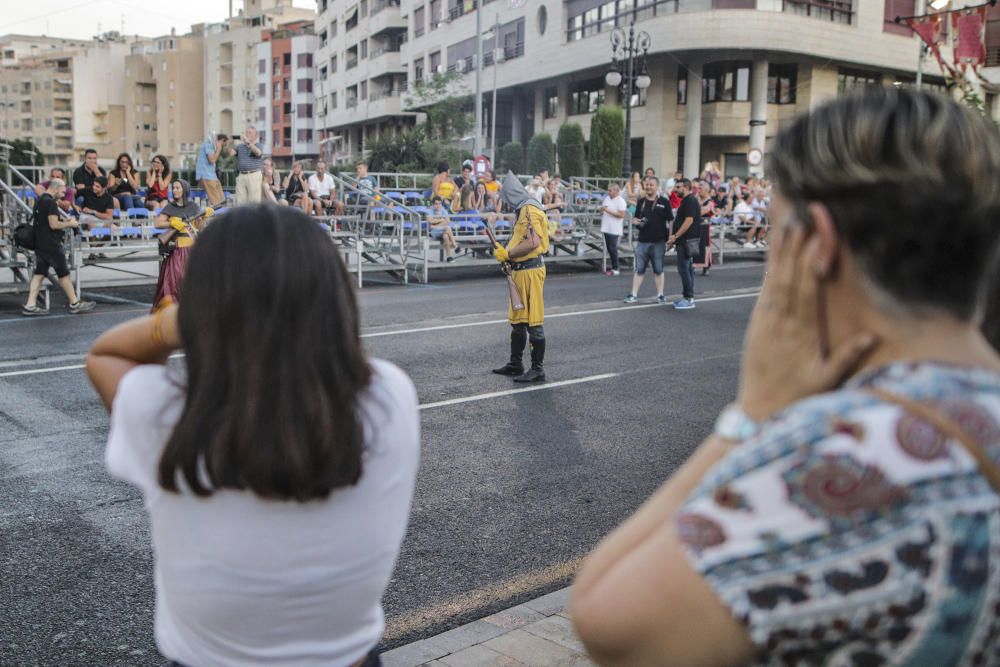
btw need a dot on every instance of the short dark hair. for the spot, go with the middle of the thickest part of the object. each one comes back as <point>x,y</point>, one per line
<point>223,136</point>
<point>885,162</point>
<point>102,181</point>
<point>442,167</point>
<point>686,182</point>
<point>89,151</point>
<point>466,166</point>
<point>271,406</point>
<point>436,199</point>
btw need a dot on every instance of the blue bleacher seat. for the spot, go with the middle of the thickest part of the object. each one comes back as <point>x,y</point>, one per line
<point>411,195</point>
<point>398,196</point>
<point>116,214</point>
<point>140,213</point>
<point>130,232</point>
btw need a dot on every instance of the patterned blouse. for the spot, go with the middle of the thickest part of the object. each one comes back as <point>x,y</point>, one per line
<point>850,532</point>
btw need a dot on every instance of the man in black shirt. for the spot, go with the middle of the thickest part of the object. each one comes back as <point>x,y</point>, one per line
<point>49,251</point>
<point>685,238</point>
<point>652,213</point>
<point>86,173</point>
<point>98,205</point>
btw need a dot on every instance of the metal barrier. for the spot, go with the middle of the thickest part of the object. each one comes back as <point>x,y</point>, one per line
<point>14,211</point>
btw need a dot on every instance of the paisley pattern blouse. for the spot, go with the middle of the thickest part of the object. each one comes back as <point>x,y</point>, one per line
<point>850,532</point>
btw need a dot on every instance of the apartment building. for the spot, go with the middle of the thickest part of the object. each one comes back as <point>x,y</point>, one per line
<point>164,109</point>
<point>66,99</point>
<point>14,47</point>
<point>362,73</point>
<point>753,64</point>
<point>230,62</point>
<point>285,101</point>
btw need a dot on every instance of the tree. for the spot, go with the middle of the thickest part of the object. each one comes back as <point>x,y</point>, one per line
<point>23,153</point>
<point>511,156</point>
<point>607,142</point>
<point>570,145</point>
<point>404,152</point>
<point>447,107</point>
<point>540,153</point>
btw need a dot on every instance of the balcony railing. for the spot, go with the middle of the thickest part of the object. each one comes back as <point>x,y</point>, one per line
<point>509,53</point>
<point>385,49</point>
<point>351,103</point>
<point>351,64</point>
<point>463,7</point>
<point>993,56</point>
<point>377,95</point>
<point>379,5</point>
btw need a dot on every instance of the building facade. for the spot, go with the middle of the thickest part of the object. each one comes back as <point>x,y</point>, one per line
<point>726,74</point>
<point>165,102</point>
<point>230,62</point>
<point>286,107</point>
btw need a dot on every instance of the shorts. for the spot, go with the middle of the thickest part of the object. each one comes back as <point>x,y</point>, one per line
<point>51,258</point>
<point>647,252</point>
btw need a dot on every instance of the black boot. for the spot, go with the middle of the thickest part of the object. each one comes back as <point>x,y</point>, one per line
<point>537,371</point>
<point>518,339</point>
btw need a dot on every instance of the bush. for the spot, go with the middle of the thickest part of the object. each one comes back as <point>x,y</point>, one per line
<point>540,153</point>
<point>404,152</point>
<point>607,142</point>
<point>570,143</point>
<point>511,156</point>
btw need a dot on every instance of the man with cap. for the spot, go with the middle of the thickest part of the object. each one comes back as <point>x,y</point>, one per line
<point>529,240</point>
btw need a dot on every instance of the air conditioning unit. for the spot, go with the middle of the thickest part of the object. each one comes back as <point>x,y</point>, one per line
<point>460,66</point>
<point>499,55</point>
<point>440,69</point>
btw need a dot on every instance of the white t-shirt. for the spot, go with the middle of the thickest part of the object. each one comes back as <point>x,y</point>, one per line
<point>244,581</point>
<point>742,213</point>
<point>609,223</point>
<point>321,188</point>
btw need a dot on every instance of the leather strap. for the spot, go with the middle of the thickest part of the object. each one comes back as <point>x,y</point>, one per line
<point>987,467</point>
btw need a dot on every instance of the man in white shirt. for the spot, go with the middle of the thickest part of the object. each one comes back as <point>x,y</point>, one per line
<point>744,215</point>
<point>323,191</point>
<point>613,210</point>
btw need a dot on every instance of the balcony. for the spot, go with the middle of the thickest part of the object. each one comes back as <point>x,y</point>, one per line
<point>386,59</point>
<point>993,56</point>
<point>352,103</point>
<point>509,53</point>
<point>463,7</point>
<point>388,19</point>
<point>351,64</point>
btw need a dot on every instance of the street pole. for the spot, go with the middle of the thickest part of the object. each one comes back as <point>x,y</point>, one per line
<point>477,137</point>
<point>629,83</point>
<point>921,9</point>
<point>493,113</point>
<point>625,50</point>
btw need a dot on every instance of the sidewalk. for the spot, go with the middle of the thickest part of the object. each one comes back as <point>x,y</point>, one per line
<point>535,633</point>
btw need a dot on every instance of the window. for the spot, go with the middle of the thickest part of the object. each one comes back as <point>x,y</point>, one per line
<point>304,85</point>
<point>261,89</point>
<point>682,84</point>
<point>286,135</point>
<point>418,22</point>
<point>781,83</point>
<point>435,62</point>
<point>333,100</point>
<point>322,73</point>
<point>849,79</point>
<point>435,11</point>
<point>364,48</point>
<point>286,108</point>
<point>418,70</point>
<point>551,102</point>
<point>277,66</point>
<point>322,38</point>
<point>894,8</point>
<point>286,86</point>
<point>639,97</point>
<point>276,114</point>
<point>726,82</point>
<point>586,97</point>
<point>304,136</point>
<point>304,60</point>
<point>364,90</point>
<point>364,8</point>
<point>287,60</point>
<point>837,11</point>
<point>262,66</point>
<point>333,65</point>
<point>304,111</point>
<point>277,89</point>
<point>261,113</point>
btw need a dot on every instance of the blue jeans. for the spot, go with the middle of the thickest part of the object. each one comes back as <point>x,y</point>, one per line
<point>650,253</point>
<point>685,267</point>
<point>128,201</point>
<point>611,241</point>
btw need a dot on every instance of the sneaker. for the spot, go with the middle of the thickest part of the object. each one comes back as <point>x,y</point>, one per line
<point>684,304</point>
<point>615,272</point>
<point>630,298</point>
<point>33,310</point>
<point>661,299</point>
<point>81,306</point>
<point>749,244</point>
<point>609,272</point>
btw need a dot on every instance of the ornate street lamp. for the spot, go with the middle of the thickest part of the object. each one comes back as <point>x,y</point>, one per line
<point>628,74</point>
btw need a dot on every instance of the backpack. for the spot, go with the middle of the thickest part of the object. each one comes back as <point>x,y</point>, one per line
<point>24,233</point>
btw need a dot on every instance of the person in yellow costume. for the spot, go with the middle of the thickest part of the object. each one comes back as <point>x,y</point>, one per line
<point>529,240</point>
<point>181,220</point>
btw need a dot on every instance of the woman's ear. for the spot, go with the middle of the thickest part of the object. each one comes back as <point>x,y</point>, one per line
<point>824,231</point>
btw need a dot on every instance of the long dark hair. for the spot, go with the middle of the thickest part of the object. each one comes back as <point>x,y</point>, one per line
<point>118,164</point>
<point>275,367</point>
<point>166,165</point>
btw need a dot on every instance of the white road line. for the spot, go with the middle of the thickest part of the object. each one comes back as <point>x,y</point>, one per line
<point>54,369</point>
<point>520,390</point>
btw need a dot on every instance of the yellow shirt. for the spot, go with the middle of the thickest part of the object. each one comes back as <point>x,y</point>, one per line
<point>445,190</point>
<point>536,218</point>
<point>492,186</point>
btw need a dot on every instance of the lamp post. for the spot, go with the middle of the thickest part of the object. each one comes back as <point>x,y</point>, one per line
<point>628,72</point>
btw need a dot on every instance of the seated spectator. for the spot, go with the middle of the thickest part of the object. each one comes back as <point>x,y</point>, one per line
<point>543,176</point>
<point>442,186</point>
<point>297,188</point>
<point>67,202</point>
<point>439,222</point>
<point>844,510</point>
<point>466,178</point>
<point>98,206</point>
<point>553,202</point>
<point>157,182</point>
<point>278,470</point>
<point>367,183</point>
<point>84,175</point>
<point>123,183</point>
<point>323,192</point>
<point>486,204</point>
<point>760,203</point>
<point>492,184</point>
<point>633,190</point>
<point>271,184</point>
<point>743,217</point>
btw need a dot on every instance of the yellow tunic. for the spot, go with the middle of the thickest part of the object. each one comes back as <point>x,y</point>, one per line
<point>529,282</point>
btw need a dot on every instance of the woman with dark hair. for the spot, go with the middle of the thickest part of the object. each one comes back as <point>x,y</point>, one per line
<point>443,186</point>
<point>157,182</point>
<point>296,188</point>
<point>176,217</point>
<point>123,183</point>
<point>845,508</point>
<point>278,471</point>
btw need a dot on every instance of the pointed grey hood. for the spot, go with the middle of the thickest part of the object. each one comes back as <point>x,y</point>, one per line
<point>514,194</point>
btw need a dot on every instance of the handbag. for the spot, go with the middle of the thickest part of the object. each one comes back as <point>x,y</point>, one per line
<point>693,247</point>
<point>987,468</point>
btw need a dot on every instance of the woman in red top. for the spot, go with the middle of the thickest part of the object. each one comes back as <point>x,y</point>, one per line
<point>157,182</point>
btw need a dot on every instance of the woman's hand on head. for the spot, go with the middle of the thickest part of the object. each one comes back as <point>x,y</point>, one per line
<point>784,356</point>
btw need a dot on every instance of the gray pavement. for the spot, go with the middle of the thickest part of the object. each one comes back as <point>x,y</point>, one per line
<point>514,488</point>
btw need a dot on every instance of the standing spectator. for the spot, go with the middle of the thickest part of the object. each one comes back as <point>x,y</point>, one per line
<point>157,182</point>
<point>443,186</point>
<point>651,216</point>
<point>123,183</point>
<point>675,197</point>
<point>249,165</point>
<point>613,210</point>
<point>633,190</point>
<point>708,210</point>
<point>466,178</point>
<point>685,237</point>
<point>278,473</point>
<point>271,183</point>
<point>66,203</point>
<point>205,168</point>
<point>297,188</point>
<point>49,253</point>
<point>323,192</point>
<point>440,226</point>
<point>673,180</point>
<point>83,177</point>
<point>535,189</point>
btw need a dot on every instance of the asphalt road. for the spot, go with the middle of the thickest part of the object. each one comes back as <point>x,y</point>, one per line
<point>513,488</point>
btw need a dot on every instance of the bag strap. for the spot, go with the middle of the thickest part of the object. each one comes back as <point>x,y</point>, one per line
<point>987,467</point>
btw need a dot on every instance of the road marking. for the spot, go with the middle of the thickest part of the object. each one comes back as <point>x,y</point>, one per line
<point>54,369</point>
<point>519,390</point>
